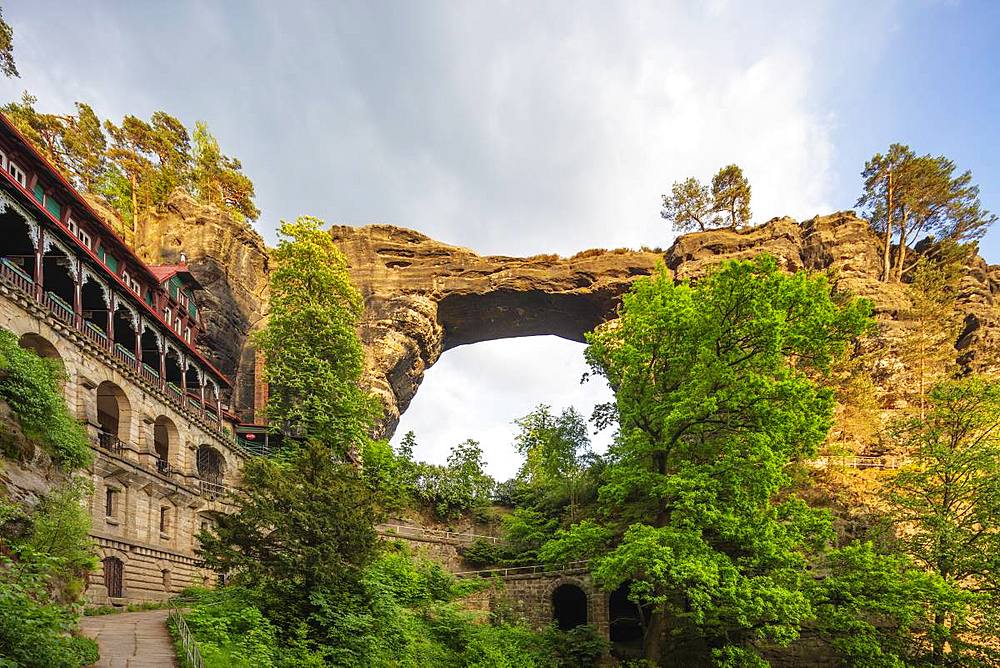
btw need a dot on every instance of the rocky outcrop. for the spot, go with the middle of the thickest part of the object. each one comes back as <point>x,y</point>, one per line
<point>423,297</point>
<point>230,260</point>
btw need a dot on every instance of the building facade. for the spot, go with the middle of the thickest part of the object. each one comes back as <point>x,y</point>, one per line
<point>164,440</point>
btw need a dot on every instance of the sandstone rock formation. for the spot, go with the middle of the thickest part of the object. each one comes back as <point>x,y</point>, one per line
<point>230,260</point>
<point>423,297</point>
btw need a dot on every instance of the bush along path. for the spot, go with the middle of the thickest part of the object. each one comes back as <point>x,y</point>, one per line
<point>132,639</point>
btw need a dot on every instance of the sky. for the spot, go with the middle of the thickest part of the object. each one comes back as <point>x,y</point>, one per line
<point>532,127</point>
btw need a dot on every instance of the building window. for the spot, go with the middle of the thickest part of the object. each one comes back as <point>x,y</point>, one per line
<point>18,174</point>
<point>166,580</point>
<point>109,502</point>
<point>112,262</point>
<point>187,335</point>
<point>85,238</point>
<point>3,160</point>
<point>39,192</point>
<point>164,519</point>
<point>53,207</point>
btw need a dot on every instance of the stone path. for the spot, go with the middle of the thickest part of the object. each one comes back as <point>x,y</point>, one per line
<point>132,639</point>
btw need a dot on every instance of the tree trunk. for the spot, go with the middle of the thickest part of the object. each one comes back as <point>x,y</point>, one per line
<point>135,203</point>
<point>652,642</point>
<point>938,651</point>
<point>887,250</point>
<point>901,253</point>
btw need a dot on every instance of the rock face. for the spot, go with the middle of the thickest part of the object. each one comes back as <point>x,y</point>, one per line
<point>230,260</point>
<point>423,297</point>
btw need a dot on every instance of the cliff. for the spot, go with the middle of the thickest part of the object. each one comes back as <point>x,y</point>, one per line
<point>423,297</point>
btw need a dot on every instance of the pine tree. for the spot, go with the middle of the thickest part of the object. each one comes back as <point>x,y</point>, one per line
<point>688,206</point>
<point>731,196</point>
<point>7,66</point>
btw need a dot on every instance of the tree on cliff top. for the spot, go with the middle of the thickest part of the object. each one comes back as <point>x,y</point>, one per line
<point>313,357</point>
<point>714,398</point>
<point>692,205</point>
<point>910,196</point>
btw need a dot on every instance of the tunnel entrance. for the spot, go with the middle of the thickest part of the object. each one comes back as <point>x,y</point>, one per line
<point>625,620</point>
<point>569,606</point>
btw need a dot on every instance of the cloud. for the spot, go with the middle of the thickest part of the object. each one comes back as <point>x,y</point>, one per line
<point>513,128</point>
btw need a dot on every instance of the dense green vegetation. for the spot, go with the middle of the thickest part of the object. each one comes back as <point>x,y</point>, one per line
<point>308,582</point>
<point>45,551</point>
<point>32,388</point>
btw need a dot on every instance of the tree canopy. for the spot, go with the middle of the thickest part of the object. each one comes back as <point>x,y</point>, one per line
<point>135,165</point>
<point>908,196</point>
<point>715,395</point>
<point>692,205</point>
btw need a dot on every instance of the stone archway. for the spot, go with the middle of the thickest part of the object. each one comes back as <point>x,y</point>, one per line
<point>423,297</point>
<point>570,606</point>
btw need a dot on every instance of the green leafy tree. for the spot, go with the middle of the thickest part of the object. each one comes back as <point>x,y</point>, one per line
<point>731,196</point>
<point>689,205</point>
<point>301,536</point>
<point>555,449</point>
<point>947,507</point>
<point>313,358</point>
<point>7,65</point>
<point>85,145</point>
<point>715,395</point>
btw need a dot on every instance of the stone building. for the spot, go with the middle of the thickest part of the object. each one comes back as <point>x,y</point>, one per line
<point>165,443</point>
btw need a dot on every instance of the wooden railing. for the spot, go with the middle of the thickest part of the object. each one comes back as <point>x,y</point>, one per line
<point>190,655</point>
<point>861,461</point>
<point>410,531</point>
<point>524,570</point>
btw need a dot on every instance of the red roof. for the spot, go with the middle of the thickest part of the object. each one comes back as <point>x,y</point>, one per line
<point>164,272</point>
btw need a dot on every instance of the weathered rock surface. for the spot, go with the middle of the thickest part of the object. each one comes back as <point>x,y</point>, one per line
<point>423,297</point>
<point>230,260</point>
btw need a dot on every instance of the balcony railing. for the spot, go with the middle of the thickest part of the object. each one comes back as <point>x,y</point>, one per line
<point>59,308</point>
<point>111,442</point>
<point>12,271</point>
<point>163,467</point>
<point>213,488</point>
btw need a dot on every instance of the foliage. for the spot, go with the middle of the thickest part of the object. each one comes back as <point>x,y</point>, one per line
<point>137,164</point>
<point>301,536</point>
<point>912,196</point>
<point>691,204</point>
<point>31,386</point>
<point>41,585</point>
<point>7,65</point>
<point>556,451</point>
<point>947,507</point>
<point>579,647</point>
<point>459,487</point>
<point>313,358</point>
<point>731,196</point>
<point>406,614</point>
<point>714,397</point>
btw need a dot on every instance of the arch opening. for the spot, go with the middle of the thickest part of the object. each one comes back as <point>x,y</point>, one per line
<point>125,334</point>
<point>150,351</point>
<point>58,281</point>
<point>17,250</point>
<point>172,368</point>
<point>40,346</point>
<point>569,606</point>
<point>113,411</point>
<point>95,307</point>
<point>625,621</point>
<point>164,437</point>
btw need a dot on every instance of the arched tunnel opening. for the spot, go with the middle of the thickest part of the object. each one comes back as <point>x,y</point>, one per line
<point>625,623</point>
<point>569,607</point>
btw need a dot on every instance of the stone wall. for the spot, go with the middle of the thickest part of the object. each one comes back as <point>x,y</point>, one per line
<point>158,557</point>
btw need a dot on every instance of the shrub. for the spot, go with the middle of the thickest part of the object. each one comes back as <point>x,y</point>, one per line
<point>31,386</point>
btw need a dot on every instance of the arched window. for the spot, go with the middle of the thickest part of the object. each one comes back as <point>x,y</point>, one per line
<point>125,322</point>
<point>569,606</point>
<point>164,438</point>
<point>95,306</point>
<point>210,463</point>
<point>58,281</point>
<point>114,573</point>
<point>113,413</point>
